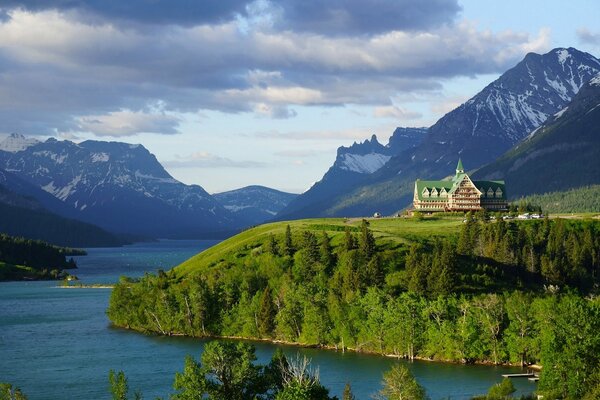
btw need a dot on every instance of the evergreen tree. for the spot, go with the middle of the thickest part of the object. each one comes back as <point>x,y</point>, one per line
<point>272,246</point>
<point>327,257</point>
<point>349,240</point>
<point>366,242</point>
<point>311,245</point>
<point>288,245</point>
<point>266,314</point>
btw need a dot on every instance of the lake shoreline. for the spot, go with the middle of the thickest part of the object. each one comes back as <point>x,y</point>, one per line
<point>332,348</point>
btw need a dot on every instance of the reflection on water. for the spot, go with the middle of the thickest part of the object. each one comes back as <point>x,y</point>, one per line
<point>58,343</point>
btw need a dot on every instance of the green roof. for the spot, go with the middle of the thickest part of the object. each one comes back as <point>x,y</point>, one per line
<point>459,166</point>
<point>451,185</point>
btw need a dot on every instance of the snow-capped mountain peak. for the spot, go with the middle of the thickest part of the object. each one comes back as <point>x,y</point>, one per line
<point>16,142</point>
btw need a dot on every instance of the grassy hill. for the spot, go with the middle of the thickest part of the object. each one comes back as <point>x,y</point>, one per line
<point>390,233</point>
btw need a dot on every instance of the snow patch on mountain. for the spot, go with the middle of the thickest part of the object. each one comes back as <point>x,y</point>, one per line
<point>100,157</point>
<point>595,81</point>
<point>560,113</point>
<point>16,142</point>
<point>363,164</point>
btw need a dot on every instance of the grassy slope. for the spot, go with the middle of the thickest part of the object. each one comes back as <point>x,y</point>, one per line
<point>389,232</point>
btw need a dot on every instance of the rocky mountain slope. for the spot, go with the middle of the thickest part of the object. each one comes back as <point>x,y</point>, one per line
<point>352,166</point>
<point>254,204</point>
<point>478,131</point>
<point>563,153</point>
<point>117,186</point>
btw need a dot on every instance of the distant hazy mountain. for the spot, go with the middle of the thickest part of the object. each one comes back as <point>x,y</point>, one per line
<point>21,215</point>
<point>478,131</point>
<point>562,154</point>
<point>117,186</point>
<point>254,204</point>
<point>351,167</point>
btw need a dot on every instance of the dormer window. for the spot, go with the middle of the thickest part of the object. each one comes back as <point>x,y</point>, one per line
<point>443,193</point>
<point>425,192</point>
<point>498,192</point>
<point>434,192</point>
<point>490,192</point>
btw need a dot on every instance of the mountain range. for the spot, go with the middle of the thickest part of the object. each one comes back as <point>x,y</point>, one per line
<point>564,153</point>
<point>253,205</point>
<point>119,187</point>
<point>478,131</point>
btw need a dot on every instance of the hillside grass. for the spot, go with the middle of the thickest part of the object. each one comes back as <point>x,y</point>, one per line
<point>390,233</point>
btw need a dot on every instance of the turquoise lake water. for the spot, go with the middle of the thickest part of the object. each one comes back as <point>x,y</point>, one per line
<point>58,343</point>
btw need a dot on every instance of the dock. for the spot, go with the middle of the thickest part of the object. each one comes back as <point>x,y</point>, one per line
<point>526,375</point>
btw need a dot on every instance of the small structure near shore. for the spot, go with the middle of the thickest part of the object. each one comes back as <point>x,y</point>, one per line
<point>459,194</point>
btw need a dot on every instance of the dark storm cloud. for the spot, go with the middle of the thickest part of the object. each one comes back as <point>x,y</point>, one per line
<point>350,17</point>
<point>176,12</point>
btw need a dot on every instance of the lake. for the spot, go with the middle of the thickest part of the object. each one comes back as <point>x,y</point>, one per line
<point>58,343</point>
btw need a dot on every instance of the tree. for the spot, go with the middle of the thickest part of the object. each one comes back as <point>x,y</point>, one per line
<point>348,393</point>
<point>349,240</point>
<point>190,383</point>
<point>119,387</point>
<point>327,257</point>
<point>7,392</point>
<point>366,242</point>
<point>272,246</point>
<point>502,390</point>
<point>288,245</point>
<point>266,314</point>
<point>400,384</point>
<point>301,382</point>
<point>230,371</point>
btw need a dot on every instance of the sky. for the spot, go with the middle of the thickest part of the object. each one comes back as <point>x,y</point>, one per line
<point>232,93</point>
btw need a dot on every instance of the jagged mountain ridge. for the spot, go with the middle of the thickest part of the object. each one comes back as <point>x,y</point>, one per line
<point>254,204</point>
<point>119,187</point>
<point>478,131</point>
<point>352,166</point>
<point>562,154</point>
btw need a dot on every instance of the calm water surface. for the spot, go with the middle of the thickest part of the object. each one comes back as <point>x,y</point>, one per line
<point>58,344</point>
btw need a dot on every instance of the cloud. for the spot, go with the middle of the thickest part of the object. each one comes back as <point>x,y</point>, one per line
<point>350,17</point>
<point>395,112</point>
<point>179,12</point>
<point>276,112</point>
<point>127,123</point>
<point>208,160</point>
<point>58,69</point>
<point>587,36</point>
<point>324,135</point>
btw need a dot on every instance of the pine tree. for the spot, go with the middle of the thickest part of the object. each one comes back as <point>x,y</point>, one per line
<point>266,314</point>
<point>367,240</point>
<point>272,246</point>
<point>326,252</point>
<point>288,245</point>
<point>349,240</point>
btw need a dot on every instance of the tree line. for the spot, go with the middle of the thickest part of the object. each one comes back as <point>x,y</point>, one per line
<point>451,298</point>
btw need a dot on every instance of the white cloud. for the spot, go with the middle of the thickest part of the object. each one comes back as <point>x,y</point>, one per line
<point>202,159</point>
<point>396,113</point>
<point>127,123</point>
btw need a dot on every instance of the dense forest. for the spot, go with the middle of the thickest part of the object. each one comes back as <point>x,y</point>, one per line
<point>583,199</point>
<point>496,292</point>
<point>33,259</point>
